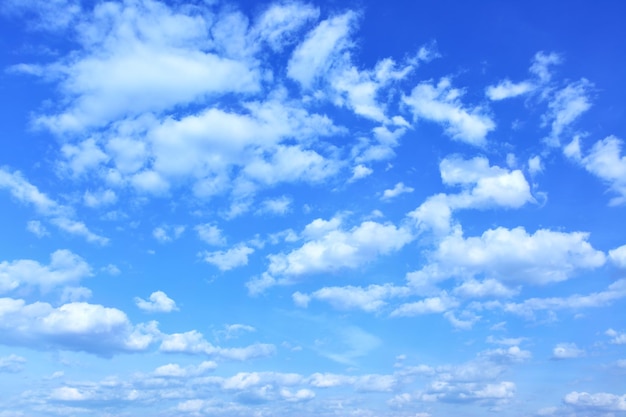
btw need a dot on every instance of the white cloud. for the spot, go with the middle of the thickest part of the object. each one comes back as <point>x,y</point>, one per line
<point>602,402</point>
<point>210,234</point>
<point>277,24</point>
<point>232,331</point>
<point>59,215</point>
<point>618,256</point>
<point>99,198</point>
<point>193,342</point>
<point>36,228</point>
<point>167,233</point>
<point>158,302</point>
<point>441,103</point>
<point>534,165</point>
<point>330,248</point>
<point>565,107</point>
<point>515,256</point>
<point>617,337</point>
<point>124,72</point>
<point>78,228</point>
<point>615,291</point>
<point>541,65</point>
<point>228,259</point>
<point>11,363</point>
<point>507,89</point>
<point>65,268</point>
<point>173,370</point>
<point>483,186</point>
<point>398,189</point>
<point>429,305</point>
<point>82,157</point>
<point>76,326</point>
<point>26,192</point>
<point>54,15</point>
<point>371,298</point>
<point>472,288</point>
<point>360,171</point>
<point>278,206</point>
<point>605,161</point>
<point>567,351</point>
<point>316,54</point>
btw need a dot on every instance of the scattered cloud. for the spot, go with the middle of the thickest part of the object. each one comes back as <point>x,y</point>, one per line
<point>158,302</point>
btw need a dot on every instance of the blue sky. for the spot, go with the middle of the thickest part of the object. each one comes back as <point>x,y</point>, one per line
<point>312,209</point>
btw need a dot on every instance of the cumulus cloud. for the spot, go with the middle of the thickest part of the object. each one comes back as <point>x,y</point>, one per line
<point>441,103</point>
<point>398,189</point>
<point>229,259</point>
<point>193,342</point>
<point>604,160</point>
<point>75,326</point>
<point>158,302</point>
<point>65,268</point>
<point>598,402</point>
<point>328,248</point>
<point>514,256</point>
<point>370,299</point>
<point>483,186</point>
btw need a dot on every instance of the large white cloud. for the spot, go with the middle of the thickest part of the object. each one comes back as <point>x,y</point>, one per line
<point>65,268</point>
<point>74,326</point>
<point>515,256</point>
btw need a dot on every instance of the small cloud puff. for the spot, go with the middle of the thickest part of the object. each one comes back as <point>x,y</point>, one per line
<point>158,302</point>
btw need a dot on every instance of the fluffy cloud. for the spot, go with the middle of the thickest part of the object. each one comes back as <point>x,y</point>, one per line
<point>315,55</point>
<point>398,189</point>
<point>602,402</point>
<point>158,302</point>
<point>507,89</point>
<point>441,103</point>
<point>604,160</point>
<point>514,256</point>
<point>329,248</point>
<point>426,306</point>
<point>617,338</point>
<point>193,342</point>
<point>65,268</point>
<point>567,351</point>
<point>483,186</point>
<point>370,299</point>
<point>228,259</point>
<point>618,256</point>
<point>74,326</point>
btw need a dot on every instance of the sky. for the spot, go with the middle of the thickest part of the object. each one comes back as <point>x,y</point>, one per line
<point>358,208</point>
